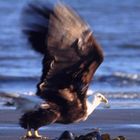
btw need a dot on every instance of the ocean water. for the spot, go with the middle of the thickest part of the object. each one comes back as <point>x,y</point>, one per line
<point>115,24</point>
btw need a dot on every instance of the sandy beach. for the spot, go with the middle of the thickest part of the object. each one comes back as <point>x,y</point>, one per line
<point>116,122</point>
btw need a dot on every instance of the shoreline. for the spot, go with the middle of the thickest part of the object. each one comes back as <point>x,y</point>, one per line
<point>116,122</point>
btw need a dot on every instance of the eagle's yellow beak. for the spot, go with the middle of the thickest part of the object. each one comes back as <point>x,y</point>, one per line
<point>107,105</point>
<point>104,100</point>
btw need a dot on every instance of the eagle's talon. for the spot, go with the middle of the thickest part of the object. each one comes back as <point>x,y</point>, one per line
<point>33,137</point>
<point>25,137</point>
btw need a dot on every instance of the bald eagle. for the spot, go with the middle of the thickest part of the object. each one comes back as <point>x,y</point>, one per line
<point>71,57</point>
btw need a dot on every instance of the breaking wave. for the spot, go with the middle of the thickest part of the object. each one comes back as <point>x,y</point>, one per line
<point>116,99</point>
<point>120,78</point>
<point>117,77</point>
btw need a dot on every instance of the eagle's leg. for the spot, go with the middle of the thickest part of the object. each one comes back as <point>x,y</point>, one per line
<point>37,136</point>
<point>28,135</point>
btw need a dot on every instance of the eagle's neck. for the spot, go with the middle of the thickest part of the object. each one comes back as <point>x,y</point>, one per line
<point>92,105</point>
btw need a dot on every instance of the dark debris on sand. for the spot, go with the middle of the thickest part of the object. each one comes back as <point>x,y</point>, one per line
<point>95,135</point>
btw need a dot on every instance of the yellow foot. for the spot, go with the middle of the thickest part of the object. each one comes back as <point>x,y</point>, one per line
<point>37,136</point>
<point>29,135</point>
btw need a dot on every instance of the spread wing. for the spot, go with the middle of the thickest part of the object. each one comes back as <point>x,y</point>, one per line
<point>71,54</point>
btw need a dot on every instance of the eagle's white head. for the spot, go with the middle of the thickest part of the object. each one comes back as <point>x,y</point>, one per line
<point>98,98</point>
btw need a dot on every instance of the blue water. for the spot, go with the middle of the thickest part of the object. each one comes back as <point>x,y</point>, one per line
<point>115,24</point>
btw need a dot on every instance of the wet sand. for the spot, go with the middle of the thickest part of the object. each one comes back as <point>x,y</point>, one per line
<point>116,122</point>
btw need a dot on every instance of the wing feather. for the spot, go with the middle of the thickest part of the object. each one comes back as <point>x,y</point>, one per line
<point>65,27</point>
<point>71,53</point>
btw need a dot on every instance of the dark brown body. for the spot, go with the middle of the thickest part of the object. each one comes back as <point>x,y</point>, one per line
<point>52,114</point>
